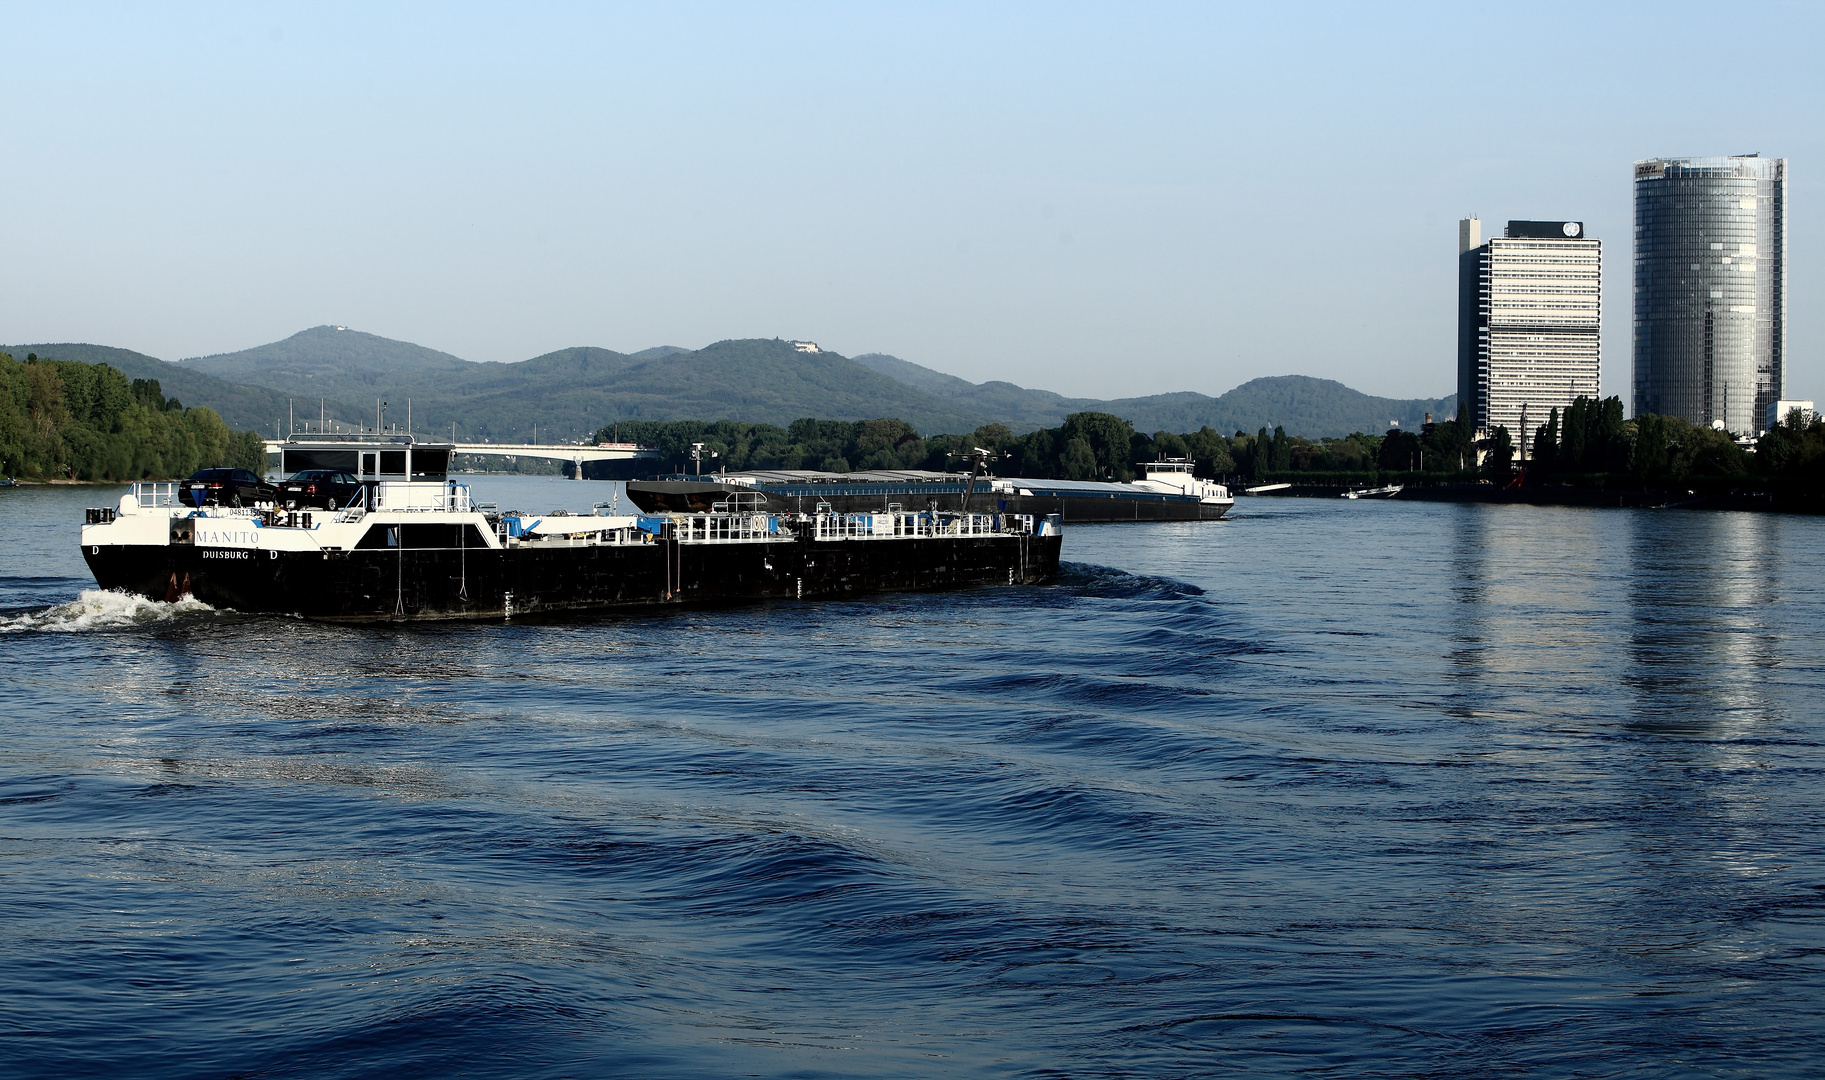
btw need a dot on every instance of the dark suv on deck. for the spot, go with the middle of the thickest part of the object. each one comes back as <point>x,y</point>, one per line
<point>327,488</point>
<point>227,487</point>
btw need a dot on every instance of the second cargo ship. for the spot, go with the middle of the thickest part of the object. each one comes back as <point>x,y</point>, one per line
<point>1167,491</point>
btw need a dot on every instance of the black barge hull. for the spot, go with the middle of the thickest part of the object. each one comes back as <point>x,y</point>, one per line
<point>377,585</point>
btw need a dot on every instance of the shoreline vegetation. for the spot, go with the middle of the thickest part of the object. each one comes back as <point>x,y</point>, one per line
<point>67,421</point>
<point>1589,455</point>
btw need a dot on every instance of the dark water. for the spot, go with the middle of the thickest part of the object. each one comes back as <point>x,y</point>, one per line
<point>1331,788</point>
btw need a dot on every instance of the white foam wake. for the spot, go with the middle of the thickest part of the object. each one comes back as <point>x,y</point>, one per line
<point>96,609</point>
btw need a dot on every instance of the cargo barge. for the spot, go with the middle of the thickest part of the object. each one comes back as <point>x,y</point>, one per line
<point>1167,491</point>
<point>414,546</point>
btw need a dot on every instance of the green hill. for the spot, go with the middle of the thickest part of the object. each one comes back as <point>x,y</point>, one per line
<point>1315,408</point>
<point>572,392</point>
<point>1010,404</point>
<point>334,361</point>
<point>241,405</point>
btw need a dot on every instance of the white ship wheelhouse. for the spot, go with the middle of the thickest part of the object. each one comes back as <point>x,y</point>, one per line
<point>1179,474</point>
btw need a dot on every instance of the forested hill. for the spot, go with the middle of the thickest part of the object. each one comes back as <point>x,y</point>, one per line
<point>571,392</point>
<point>64,419</point>
<point>1315,408</point>
<point>241,405</point>
<point>334,361</point>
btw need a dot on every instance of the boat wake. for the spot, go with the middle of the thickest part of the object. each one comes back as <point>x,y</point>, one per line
<point>98,609</point>
<point>1090,579</point>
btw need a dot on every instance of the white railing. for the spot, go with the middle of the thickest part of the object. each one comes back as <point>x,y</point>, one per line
<point>157,493</point>
<point>891,526</point>
<point>421,495</point>
<point>711,528</point>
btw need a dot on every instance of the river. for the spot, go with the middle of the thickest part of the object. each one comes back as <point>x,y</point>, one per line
<point>1331,788</point>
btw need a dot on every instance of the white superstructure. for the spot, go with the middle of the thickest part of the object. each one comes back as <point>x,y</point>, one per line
<point>1176,476</point>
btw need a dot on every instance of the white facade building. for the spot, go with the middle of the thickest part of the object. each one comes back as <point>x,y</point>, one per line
<point>1777,413</point>
<point>1530,323</point>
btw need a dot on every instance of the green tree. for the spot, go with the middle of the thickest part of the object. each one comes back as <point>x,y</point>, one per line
<point>1078,460</point>
<point>1609,444</point>
<point>1573,434</point>
<point>1501,453</point>
<point>1400,451</point>
<point>1649,462</point>
<point>1281,456</point>
<point>1212,453</point>
<point>1544,453</point>
<point>1110,439</point>
<point>63,418</point>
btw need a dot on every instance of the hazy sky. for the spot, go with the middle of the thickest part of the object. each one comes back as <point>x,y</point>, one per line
<point>1103,201</point>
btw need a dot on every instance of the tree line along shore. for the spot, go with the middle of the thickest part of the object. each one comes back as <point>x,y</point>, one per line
<point>88,422</point>
<point>65,420</point>
<point>1589,446</point>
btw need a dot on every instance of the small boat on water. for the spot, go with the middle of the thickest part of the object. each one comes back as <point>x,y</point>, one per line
<point>1387,492</point>
<point>413,545</point>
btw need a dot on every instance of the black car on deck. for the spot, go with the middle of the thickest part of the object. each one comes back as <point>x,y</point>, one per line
<point>330,489</point>
<point>226,487</point>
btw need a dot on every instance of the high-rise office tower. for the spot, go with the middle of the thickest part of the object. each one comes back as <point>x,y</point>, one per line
<point>1711,288</point>
<point>1530,319</point>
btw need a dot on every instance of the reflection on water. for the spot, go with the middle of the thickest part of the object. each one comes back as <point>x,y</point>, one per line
<point>1705,600</point>
<point>1335,787</point>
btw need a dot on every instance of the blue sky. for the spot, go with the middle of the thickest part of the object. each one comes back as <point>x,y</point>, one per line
<point>1100,200</point>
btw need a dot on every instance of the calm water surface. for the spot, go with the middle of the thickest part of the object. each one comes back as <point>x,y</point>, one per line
<point>1332,788</point>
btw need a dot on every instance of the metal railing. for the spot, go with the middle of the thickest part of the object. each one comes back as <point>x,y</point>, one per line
<point>891,526</point>
<point>421,495</point>
<point>712,528</point>
<point>158,493</point>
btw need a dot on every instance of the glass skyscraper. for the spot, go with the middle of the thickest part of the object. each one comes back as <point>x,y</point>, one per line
<point>1711,288</point>
<point>1530,319</point>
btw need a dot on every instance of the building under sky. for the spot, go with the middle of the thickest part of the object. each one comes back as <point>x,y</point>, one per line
<point>1530,322</point>
<point>1711,288</point>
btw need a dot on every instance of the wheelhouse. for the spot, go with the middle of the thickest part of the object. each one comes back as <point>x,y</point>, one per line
<point>368,458</point>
